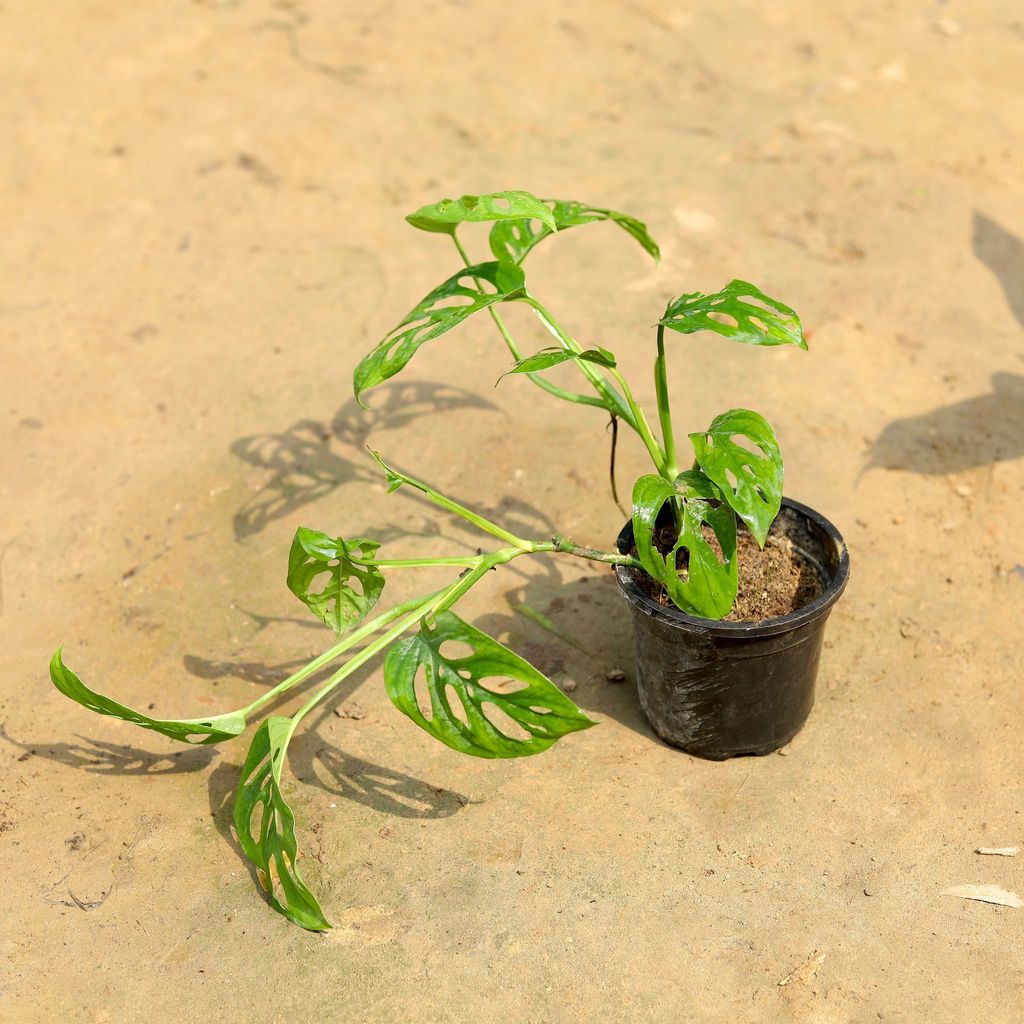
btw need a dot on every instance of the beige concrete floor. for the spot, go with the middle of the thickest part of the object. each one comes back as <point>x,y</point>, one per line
<point>202,231</point>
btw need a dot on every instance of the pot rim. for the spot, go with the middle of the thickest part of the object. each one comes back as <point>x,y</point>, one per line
<point>820,606</point>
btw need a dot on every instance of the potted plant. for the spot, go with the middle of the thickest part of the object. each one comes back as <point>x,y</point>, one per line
<point>697,537</point>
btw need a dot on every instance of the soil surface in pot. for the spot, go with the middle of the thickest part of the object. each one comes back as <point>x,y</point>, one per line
<point>773,582</point>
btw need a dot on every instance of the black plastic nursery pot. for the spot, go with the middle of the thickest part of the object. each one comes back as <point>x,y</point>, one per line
<point>721,689</point>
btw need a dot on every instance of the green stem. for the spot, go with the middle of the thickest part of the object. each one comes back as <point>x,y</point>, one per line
<point>541,382</point>
<point>664,412</point>
<point>418,609</point>
<point>613,401</point>
<point>340,647</point>
<point>567,547</point>
<point>642,427</point>
<point>368,652</point>
<point>469,562</point>
<point>396,478</point>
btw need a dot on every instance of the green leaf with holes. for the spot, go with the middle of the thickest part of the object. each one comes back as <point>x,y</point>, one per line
<point>750,481</point>
<point>187,730</point>
<point>265,826</point>
<point>334,578</point>
<point>707,586</point>
<point>512,240</point>
<point>548,357</point>
<point>752,318</point>
<point>445,216</point>
<point>537,707</point>
<point>463,294</point>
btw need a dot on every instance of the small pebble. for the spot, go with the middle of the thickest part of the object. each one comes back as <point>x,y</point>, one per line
<point>351,710</point>
<point>564,681</point>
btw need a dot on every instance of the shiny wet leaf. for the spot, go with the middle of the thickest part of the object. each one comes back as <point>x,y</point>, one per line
<point>513,240</point>
<point>445,216</point>
<point>265,826</point>
<point>188,730</point>
<point>741,312</point>
<point>454,682</point>
<point>330,576</point>
<point>709,582</point>
<point>750,481</point>
<point>448,305</point>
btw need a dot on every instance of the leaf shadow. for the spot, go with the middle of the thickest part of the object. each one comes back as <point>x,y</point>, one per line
<point>117,759</point>
<point>311,459</point>
<point>974,432</point>
<point>250,671</point>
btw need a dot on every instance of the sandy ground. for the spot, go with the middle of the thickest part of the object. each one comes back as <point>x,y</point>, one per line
<point>202,231</point>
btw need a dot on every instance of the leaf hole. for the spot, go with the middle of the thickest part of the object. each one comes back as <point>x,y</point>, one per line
<point>456,650</point>
<point>757,302</point>
<point>255,822</point>
<point>458,709</point>
<point>725,319</point>
<point>506,725</point>
<point>455,302</point>
<point>731,477</point>
<point>683,563</point>
<point>507,684</point>
<point>748,445</point>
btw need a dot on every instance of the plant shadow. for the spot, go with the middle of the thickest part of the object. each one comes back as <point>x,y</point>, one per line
<point>311,459</point>
<point>1003,253</point>
<point>974,432</point>
<point>117,759</point>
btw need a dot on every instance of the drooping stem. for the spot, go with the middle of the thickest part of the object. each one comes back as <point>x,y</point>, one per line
<point>541,382</point>
<point>664,411</point>
<point>338,649</point>
<point>411,612</point>
<point>368,652</point>
<point>614,424</point>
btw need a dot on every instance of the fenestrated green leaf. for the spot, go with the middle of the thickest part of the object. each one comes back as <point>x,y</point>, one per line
<point>338,604</point>
<point>444,308</point>
<point>187,730</point>
<point>548,357</point>
<point>708,588</point>
<point>538,707</point>
<point>512,240</point>
<point>444,217</point>
<point>757,318</point>
<point>750,482</point>
<point>269,841</point>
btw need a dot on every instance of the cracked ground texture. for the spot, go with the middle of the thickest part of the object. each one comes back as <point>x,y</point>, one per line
<point>202,208</point>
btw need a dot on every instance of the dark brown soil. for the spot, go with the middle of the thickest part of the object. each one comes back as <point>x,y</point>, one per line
<point>773,582</point>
